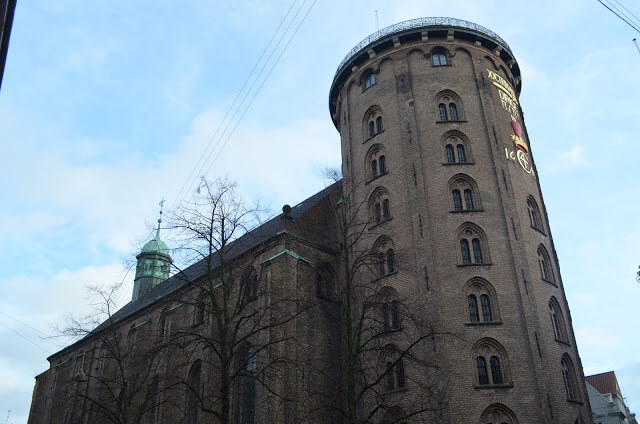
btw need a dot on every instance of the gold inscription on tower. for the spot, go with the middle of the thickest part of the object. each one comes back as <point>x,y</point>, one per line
<point>507,94</point>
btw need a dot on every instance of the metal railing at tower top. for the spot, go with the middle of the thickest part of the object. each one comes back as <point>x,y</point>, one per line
<point>417,24</point>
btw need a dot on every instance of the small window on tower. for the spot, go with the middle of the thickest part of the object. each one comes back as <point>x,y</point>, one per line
<point>369,80</point>
<point>439,59</point>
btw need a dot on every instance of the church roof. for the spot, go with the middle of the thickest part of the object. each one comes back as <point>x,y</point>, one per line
<point>251,239</point>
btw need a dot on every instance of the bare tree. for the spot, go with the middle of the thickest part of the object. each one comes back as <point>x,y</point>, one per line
<point>238,330</point>
<point>384,335</point>
<point>115,376</point>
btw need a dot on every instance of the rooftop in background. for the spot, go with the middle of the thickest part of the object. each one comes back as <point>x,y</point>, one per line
<point>605,382</point>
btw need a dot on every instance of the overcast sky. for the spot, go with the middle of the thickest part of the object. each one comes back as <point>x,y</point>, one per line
<point>107,107</point>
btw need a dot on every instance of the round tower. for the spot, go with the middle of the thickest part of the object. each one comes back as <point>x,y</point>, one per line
<point>435,148</point>
<point>154,264</point>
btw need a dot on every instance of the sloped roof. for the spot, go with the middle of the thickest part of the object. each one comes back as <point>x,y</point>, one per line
<point>605,382</point>
<point>236,248</point>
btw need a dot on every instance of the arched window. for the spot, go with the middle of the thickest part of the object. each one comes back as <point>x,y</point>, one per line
<point>453,111</point>
<point>247,388</point>
<point>439,59</point>
<point>496,373</point>
<point>498,414</point>
<point>477,251</point>
<point>557,321</point>
<point>199,309</point>
<point>449,153</point>
<point>376,162</point>
<point>373,122</point>
<point>369,79</point>
<point>473,245</point>
<point>466,255</point>
<point>449,106</point>
<point>483,374</point>
<point>491,363</point>
<point>249,284</point>
<point>325,281</point>
<point>391,366</point>
<point>468,199</point>
<point>546,269</point>
<point>473,308</point>
<point>391,315</point>
<point>391,262</point>
<point>462,156</point>
<point>384,256</point>
<point>395,375</point>
<point>386,211</point>
<point>534,214</point>
<point>456,148</point>
<point>486,308</point>
<point>457,200</point>
<point>380,206</point>
<point>569,377</point>
<point>194,392</point>
<point>443,112</point>
<point>463,186</point>
<point>481,301</point>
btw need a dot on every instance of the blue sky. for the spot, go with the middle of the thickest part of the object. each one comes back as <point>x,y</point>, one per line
<point>105,108</point>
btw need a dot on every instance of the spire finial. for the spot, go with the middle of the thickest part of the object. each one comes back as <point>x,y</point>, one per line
<point>160,218</point>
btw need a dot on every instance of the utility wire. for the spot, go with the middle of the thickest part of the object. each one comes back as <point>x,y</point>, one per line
<point>222,123</point>
<point>623,14</point>
<point>619,16</point>
<point>238,107</point>
<point>40,333</point>
<point>263,82</point>
<point>246,94</point>
<point>25,338</point>
<point>628,11</point>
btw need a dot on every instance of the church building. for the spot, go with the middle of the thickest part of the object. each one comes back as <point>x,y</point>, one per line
<point>422,286</point>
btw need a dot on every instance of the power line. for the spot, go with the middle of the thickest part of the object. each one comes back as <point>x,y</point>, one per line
<point>627,10</point>
<point>236,112</point>
<point>40,333</point>
<point>619,16</point>
<point>230,108</point>
<point>25,338</point>
<point>263,82</point>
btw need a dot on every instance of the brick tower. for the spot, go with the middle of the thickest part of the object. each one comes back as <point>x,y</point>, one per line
<point>435,147</point>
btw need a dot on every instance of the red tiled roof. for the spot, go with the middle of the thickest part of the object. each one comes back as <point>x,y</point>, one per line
<point>605,382</point>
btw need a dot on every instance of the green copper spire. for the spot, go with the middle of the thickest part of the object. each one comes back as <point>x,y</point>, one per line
<point>154,263</point>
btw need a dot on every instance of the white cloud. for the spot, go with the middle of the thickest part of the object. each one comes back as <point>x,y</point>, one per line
<point>575,156</point>
<point>597,338</point>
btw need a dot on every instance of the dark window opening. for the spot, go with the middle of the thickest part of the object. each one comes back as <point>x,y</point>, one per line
<point>481,365</point>
<point>473,308</point>
<point>496,373</point>
<point>453,111</point>
<point>468,199</point>
<point>486,308</point>
<point>439,59</point>
<point>466,254</point>
<point>443,112</point>
<point>449,151</point>
<point>457,200</point>
<point>462,157</point>
<point>477,251</point>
